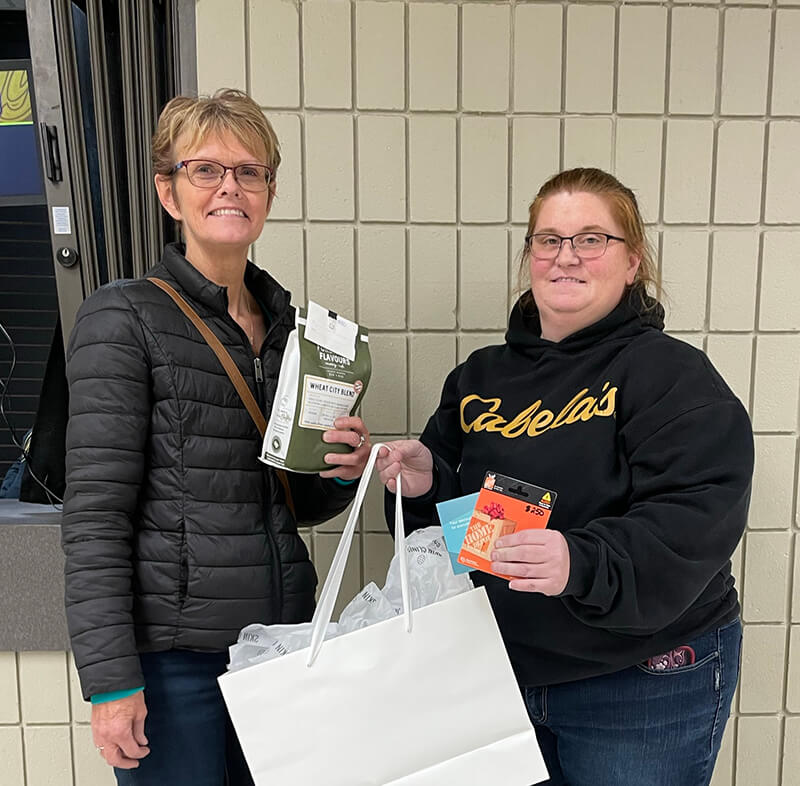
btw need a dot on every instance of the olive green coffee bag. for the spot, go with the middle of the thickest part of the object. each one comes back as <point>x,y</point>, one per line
<point>316,385</point>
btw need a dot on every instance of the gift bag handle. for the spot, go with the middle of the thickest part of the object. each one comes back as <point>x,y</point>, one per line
<point>333,582</point>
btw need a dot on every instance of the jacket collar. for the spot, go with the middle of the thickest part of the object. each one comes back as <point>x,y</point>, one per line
<point>270,294</point>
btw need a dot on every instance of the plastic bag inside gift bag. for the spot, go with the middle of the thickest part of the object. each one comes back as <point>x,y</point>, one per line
<point>430,577</point>
<point>430,574</point>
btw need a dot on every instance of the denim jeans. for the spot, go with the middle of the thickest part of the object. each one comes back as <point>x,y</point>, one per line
<point>637,726</point>
<point>191,739</point>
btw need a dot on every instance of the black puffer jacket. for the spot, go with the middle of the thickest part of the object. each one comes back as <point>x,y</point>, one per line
<point>175,535</point>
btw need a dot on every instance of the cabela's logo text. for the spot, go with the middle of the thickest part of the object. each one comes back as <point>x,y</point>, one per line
<point>481,414</point>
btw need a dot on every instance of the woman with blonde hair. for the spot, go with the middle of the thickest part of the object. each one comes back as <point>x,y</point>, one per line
<point>621,618</point>
<point>175,535</point>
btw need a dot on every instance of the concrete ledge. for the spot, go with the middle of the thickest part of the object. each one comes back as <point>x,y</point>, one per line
<point>31,578</point>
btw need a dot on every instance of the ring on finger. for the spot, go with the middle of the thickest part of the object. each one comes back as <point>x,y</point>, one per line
<point>361,440</point>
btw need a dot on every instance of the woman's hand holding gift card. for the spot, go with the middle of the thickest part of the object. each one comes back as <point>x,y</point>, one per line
<point>538,559</point>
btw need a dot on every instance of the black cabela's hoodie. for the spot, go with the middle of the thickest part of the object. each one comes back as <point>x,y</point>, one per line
<point>651,455</point>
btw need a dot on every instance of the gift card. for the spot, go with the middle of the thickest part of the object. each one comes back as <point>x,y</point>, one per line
<point>454,515</point>
<point>504,505</point>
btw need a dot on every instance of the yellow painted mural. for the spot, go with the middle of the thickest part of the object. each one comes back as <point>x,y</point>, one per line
<point>15,98</point>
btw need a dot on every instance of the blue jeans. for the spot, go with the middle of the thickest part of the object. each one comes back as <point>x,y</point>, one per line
<point>192,741</point>
<point>636,726</point>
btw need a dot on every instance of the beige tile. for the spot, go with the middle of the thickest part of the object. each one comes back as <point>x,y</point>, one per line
<point>588,142</point>
<point>9,694</point>
<point>90,769</point>
<point>274,51</point>
<point>777,370</point>
<point>793,689</point>
<point>783,196</point>
<point>43,687</point>
<point>780,282</point>
<point>326,54</point>
<point>381,168</point>
<point>687,187</point>
<point>484,169</point>
<point>685,270</point>
<point>432,277</point>
<point>279,251</point>
<point>693,60</point>
<point>786,63</point>
<point>734,277</point>
<point>642,59</point>
<point>536,153</point>
<point>288,203</point>
<point>382,276</point>
<point>773,482</point>
<point>48,758</point>
<point>372,515</point>
<point>766,573</point>
<point>385,403</point>
<point>484,80</point>
<point>469,342</point>
<point>325,545</point>
<point>745,61</point>
<point>590,58</point>
<point>81,711</point>
<point>518,267</point>
<point>537,57</point>
<point>433,56</point>
<point>433,357</point>
<point>796,583</point>
<point>220,33</point>
<point>736,568</point>
<point>483,281</point>
<point>791,752</point>
<point>740,160</point>
<point>757,759</point>
<point>432,168</point>
<point>380,55</point>
<point>329,167</point>
<point>732,356</point>
<point>331,273</point>
<point>378,552</point>
<point>11,755</point>
<point>723,770</point>
<point>763,659</point>
<point>638,159</point>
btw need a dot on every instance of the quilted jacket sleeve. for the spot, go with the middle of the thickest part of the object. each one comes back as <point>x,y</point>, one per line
<point>318,499</point>
<point>108,371</point>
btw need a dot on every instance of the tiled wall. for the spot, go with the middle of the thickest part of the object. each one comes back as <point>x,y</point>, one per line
<point>414,135</point>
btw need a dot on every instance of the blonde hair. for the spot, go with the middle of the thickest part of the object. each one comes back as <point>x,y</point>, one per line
<point>196,119</point>
<point>625,210</point>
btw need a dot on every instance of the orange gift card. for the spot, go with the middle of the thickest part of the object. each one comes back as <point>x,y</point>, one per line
<point>504,505</point>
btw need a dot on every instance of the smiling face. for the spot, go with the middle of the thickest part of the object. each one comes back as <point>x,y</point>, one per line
<point>572,293</point>
<point>223,219</point>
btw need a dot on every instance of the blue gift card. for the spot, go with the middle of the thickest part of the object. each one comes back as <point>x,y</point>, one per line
<point>454,514</point>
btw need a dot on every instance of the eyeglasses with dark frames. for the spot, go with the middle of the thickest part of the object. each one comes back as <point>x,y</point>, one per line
<point>587,245</point>
<point>204,173</point>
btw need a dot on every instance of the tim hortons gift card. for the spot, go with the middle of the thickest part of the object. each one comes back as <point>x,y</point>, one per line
<point>504,505</point>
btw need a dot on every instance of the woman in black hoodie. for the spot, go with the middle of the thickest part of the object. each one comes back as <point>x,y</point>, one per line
<point>622,620</point>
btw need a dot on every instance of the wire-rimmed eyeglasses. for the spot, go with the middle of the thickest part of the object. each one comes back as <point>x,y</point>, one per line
<point>204,173</point>
<point>587,245</point>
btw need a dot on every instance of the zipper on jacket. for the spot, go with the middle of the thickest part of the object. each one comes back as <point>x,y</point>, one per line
<point>277,579</point>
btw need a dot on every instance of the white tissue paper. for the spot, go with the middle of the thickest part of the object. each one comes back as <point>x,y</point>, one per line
<point>431,579</point>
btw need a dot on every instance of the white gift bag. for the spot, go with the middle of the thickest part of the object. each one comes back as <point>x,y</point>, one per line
<point>427,698</point>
